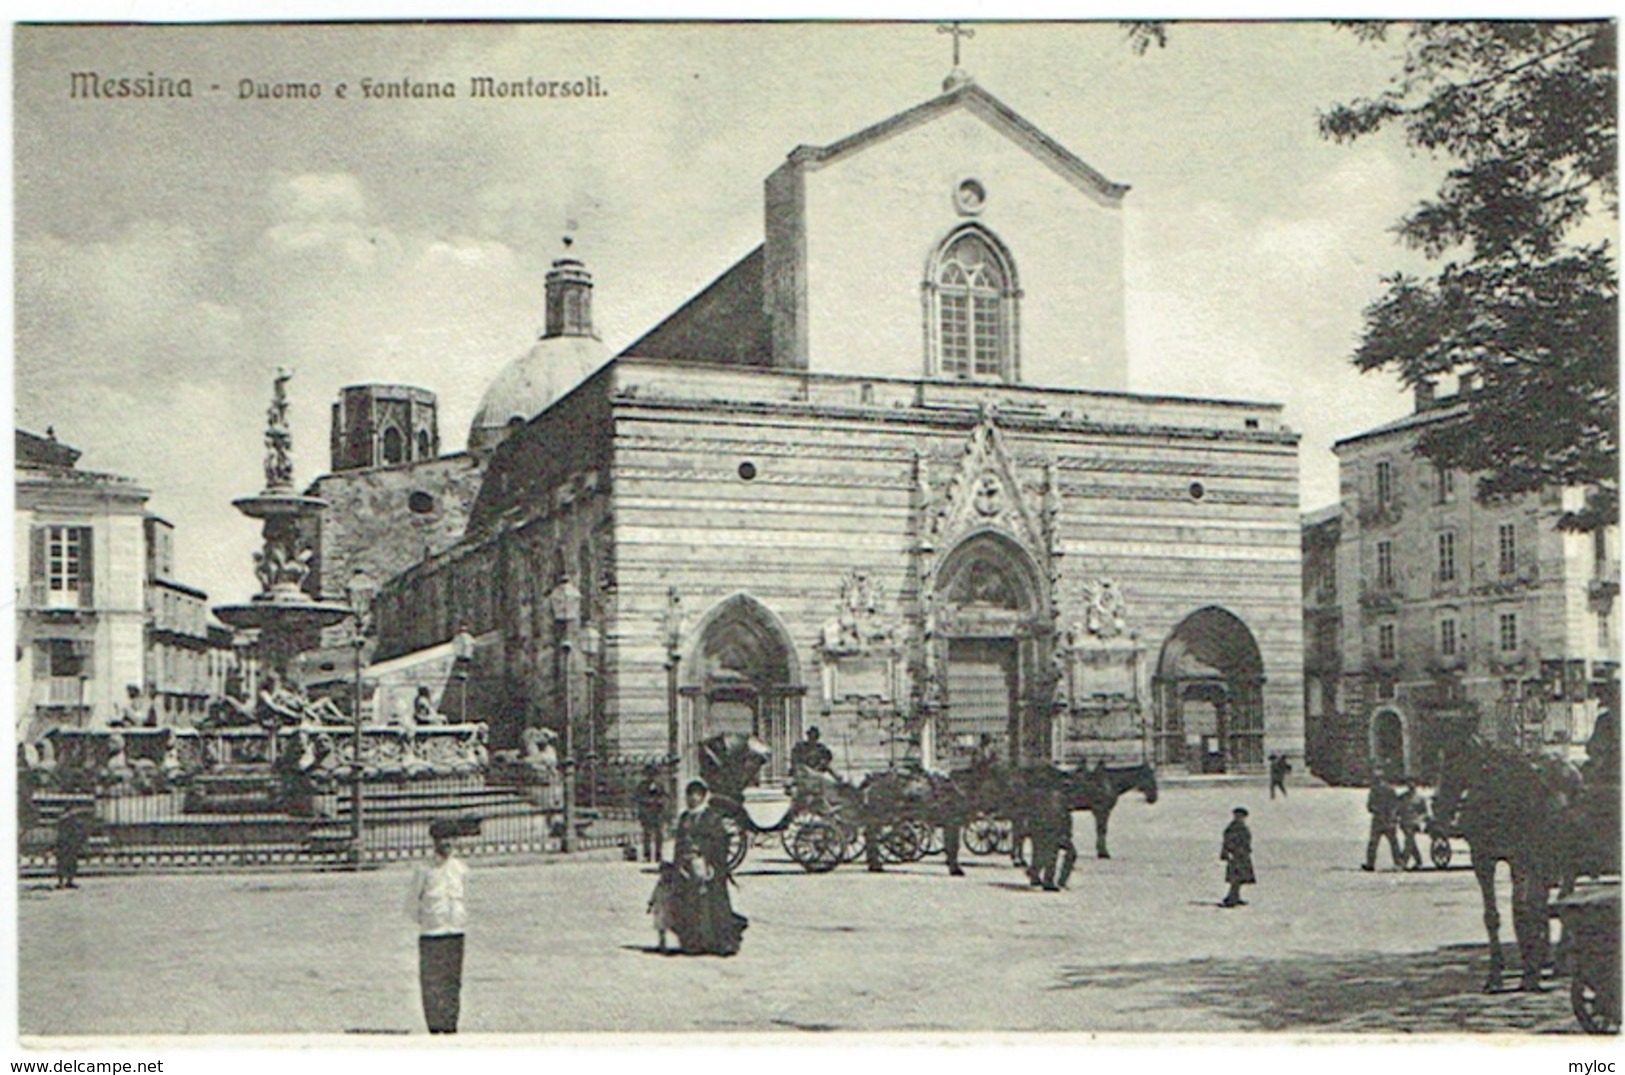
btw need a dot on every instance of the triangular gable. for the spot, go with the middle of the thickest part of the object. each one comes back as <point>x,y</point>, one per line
<point>998,115</point>
<point>725,323</point>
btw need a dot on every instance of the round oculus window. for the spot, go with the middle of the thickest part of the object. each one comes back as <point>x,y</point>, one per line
<point>1198,490</point>
<point>420,503</point>
<point>970,196</point>
<point>747,470</point>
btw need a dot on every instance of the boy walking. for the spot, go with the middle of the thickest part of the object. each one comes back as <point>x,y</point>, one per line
<point>437,902</point>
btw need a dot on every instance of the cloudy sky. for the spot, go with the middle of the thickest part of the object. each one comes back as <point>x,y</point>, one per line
<point>170,254</point>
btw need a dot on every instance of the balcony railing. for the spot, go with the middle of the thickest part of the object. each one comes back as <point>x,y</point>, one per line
<point>60,690</point>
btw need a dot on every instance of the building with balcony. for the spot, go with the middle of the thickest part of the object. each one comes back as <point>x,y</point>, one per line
<point>104,631</point>
<point>1425,608</point>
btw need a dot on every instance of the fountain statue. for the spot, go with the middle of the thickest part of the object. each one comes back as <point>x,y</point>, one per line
<point>285,615</point>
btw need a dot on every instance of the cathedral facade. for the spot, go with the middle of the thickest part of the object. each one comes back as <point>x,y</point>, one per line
<point>884,476</point>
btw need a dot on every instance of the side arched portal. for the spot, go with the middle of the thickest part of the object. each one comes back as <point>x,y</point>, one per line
<point>1209,693</point>
<point>742,676</point>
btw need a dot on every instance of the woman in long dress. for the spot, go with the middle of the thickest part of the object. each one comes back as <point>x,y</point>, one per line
<point>705,919</point>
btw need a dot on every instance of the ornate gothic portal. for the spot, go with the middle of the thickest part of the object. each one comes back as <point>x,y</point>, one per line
<point>743,677</point>
<point>1209,692</point>
<point>991,641</point>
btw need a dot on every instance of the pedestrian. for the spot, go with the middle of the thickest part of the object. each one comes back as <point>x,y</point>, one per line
<point>1279,768</point>
<point>1237,855</point>
<point>1413,812</point>
<point>1062,853</point>
<point>1383,805</point>
<point>705,921</point>
<point>437,901</point>
<point>650,800</point>
<point>72,834</point>
<point>1043,831</point>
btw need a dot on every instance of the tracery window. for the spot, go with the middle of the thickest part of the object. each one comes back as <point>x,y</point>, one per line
<point>972,309</point>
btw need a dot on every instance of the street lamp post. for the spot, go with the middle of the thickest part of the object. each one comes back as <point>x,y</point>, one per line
<point>361,591</point>
<point>672,629</point>
<point>566,601</point>
<point>591,647</point>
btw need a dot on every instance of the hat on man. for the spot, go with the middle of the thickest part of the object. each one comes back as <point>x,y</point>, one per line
<point>1240,811</point>
<point>445,828</point>
<point>697,785</point>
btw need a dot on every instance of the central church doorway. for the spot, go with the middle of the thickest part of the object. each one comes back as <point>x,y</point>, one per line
<point>743,678</point>
<point>989,604</point>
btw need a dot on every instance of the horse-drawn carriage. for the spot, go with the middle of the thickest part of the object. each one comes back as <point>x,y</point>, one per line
<point>819,823</point>
<point>900,814</point>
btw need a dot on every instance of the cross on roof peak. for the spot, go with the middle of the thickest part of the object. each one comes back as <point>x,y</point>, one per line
<point>957,77</point>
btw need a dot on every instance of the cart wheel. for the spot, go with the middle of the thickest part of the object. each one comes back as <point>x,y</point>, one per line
<point>1440,851</point>
<point>852,843</point>
<point>982,835</point>
<point>932,841</point>
<point>817,846</point>
<point>1596,1009</point>
<point>738,839</point>
<point>900,842</point>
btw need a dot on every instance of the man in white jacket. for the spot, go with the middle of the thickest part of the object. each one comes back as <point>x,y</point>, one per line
<point>437,903</point>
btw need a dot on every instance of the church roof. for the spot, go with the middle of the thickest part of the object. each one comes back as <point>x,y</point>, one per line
<point>529,384</point>
<point>996,113</point>
<point>726,323</point>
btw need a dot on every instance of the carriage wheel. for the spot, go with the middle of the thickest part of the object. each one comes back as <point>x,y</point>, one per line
<point>932,841</point>
<point>982,835</point>
<point>817,846</point>
<point>738,839</point>
<point>1440,851</point>
<point>904,841</point>
<point>1596,1009</point>
<point>852,841</point>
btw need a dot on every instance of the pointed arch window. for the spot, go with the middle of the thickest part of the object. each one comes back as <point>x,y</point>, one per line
<point>971,309</point>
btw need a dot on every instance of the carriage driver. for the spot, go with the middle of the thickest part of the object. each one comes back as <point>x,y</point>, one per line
<point>810,762</point>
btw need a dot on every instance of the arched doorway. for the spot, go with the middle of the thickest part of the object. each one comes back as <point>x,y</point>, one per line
<point>1209,692</point>
<point>1388,742</point>
<point>743,677</point>
<point>992,638</point>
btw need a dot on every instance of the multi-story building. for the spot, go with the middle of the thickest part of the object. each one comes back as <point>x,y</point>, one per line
<point>81,611</point>
<point>1426,607</point>
<point>105,632</point>
<point>179,666</point>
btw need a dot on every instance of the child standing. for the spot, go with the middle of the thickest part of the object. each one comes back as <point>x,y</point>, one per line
<point>1237,855</point>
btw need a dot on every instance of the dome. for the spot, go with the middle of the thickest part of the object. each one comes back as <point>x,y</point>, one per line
<point>531,383</point>
<point>568,353</point>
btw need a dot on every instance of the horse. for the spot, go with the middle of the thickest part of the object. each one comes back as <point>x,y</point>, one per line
<point>1014,793</point>
<point>1512,808</point>
<point>1098,789</point>
<point>901,796</point>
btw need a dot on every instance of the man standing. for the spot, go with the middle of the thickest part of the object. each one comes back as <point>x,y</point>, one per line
<point>1279,767</point>
<point>72,834</point>
<point>437,903</point>
<point>1237,855</point>
<point>1412,812</point>
<point>651,806</point>
<point>1383,805</point>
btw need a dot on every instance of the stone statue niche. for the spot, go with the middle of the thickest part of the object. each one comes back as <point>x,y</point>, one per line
<point>1103,665</point>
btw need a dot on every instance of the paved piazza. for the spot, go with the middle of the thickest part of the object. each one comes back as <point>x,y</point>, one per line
<point>1137,945</point>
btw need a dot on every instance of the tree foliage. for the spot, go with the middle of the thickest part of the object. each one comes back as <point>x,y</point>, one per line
<point>1522,306</point>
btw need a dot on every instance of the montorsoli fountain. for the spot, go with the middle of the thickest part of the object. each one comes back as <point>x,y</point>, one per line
<point>287,618</point>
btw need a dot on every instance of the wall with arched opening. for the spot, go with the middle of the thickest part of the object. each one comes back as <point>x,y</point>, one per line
<point>1208,695</point>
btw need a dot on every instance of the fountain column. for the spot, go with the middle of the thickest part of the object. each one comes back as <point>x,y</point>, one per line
<point>286,617</point>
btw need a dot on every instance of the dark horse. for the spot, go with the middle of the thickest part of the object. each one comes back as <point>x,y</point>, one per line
<point>1514,808</point>
<point>1015,794</point>
<point>1099,789</point>
<point>902,796</point>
